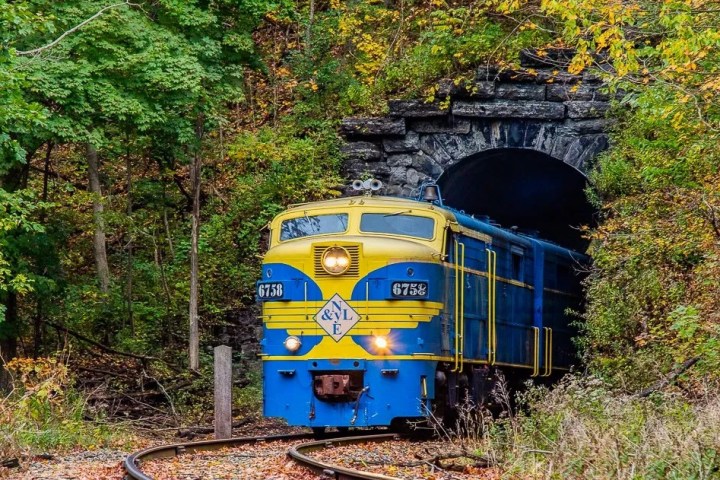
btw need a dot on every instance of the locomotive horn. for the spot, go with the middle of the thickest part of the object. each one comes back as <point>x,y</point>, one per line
<point>357,184</point>
<point>375,185</point>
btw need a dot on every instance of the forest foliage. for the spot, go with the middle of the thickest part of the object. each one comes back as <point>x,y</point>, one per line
<point>257,87</point>
<point>653,294</point>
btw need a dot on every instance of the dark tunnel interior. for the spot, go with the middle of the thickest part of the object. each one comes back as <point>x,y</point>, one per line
<point>522,188</point>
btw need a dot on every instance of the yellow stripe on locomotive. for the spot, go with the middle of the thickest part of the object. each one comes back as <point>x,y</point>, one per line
<point>369,251</point>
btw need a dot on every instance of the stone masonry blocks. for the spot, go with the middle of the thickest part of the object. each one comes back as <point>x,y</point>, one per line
<point>510,109</point>
<point>373,126</point>
<point>543,109</point>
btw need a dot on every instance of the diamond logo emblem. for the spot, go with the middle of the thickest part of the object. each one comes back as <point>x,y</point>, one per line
<point>336,317</point>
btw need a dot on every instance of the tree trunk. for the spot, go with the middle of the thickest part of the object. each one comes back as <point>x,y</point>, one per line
<point>46,174</point>
<point>129,268</point>
<point>39,315</point>
<point>101,262</point>
<point>8,338</point>
<point>308,32</point>
<point>194,335</point>
<point>38,329</point>
<point>166,223</point>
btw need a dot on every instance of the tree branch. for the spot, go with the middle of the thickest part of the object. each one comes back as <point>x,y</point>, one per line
<point>712,217</point>
<point>669,379</point>
<point>10,463</point>
<point>434,460</point>
<point>178,181</point>
<point>103,347</point>
<point>59,176</point>
<point>73,29</point>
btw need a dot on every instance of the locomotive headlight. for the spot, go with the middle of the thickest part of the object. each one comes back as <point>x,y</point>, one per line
<point>292,343</point>
<point>380,342</point>
<point>335,260</point>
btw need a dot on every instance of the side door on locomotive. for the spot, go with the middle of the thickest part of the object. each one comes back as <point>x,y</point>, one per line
<point>469,287</point>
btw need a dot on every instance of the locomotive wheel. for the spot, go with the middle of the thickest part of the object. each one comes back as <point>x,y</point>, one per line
<point>318,432</point>
<point>398,424</point>
<point>404,425</point>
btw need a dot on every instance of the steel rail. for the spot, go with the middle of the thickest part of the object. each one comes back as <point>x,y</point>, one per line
<point>298,453</point>
<point>132,462</point>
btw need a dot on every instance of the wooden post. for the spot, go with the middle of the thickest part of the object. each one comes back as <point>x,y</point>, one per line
<point>223,392</point>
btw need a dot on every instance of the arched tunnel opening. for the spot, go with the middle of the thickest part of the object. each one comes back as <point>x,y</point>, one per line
<point>522,188</point>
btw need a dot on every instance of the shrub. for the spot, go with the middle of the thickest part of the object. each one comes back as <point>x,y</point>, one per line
<point>43,411</point>
<point>582,429</point>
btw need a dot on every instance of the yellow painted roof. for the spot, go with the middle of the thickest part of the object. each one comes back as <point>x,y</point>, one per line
<point>361,204</point>
<point>374,201</point>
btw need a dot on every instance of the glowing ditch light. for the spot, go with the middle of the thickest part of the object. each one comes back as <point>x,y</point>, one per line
<point>292,343</point>
<point>380,342</point>
<point>335,260</point>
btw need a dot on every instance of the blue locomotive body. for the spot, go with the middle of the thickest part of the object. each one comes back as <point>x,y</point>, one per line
<point>379,309</point>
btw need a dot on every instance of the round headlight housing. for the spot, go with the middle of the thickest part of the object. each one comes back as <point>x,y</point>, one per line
<point>335,260</point>
<point>381,343</point>
<point>292,343</point>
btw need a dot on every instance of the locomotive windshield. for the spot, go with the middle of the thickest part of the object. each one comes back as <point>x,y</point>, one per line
<point>313,225</point>
<point>398,224</point>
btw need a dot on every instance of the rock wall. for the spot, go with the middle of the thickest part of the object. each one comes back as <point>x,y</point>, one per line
<point>537,107</point>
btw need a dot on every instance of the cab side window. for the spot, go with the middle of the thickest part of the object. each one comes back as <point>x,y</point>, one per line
<point>449,249</point>
<point>517,265</point>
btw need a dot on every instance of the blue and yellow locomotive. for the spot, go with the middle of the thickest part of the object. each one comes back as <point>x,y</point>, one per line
<point>378,309</point>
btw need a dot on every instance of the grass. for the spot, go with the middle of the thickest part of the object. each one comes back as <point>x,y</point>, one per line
<point>581,429</point>
<point>44,413</point>
<point>248,399</point>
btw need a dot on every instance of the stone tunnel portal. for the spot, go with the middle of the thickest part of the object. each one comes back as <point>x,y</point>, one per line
<point>524,188</point>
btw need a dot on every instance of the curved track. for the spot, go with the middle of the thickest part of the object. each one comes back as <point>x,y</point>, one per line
<point>298,453</point>
<point>133,462</point>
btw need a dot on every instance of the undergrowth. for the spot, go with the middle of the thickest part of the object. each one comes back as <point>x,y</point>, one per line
<point>44,412</point>
<point>583,429</point>
<point>194,405</point>
<point>248,400</point>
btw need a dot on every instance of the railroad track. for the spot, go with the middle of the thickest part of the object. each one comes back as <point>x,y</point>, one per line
<point>299,453</point>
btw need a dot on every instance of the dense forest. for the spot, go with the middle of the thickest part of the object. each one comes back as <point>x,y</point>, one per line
<point>145,145</point>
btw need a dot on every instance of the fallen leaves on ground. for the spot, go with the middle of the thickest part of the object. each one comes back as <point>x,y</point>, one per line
<point>409,460</point>
<point>262,461</point>
<point>102,464</point>
<point>402,459</point>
